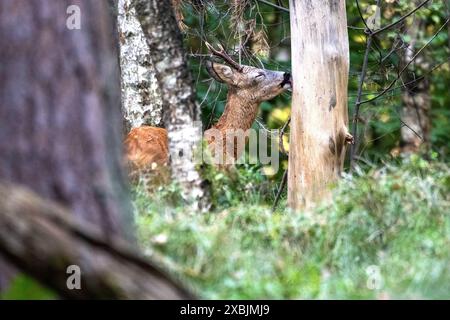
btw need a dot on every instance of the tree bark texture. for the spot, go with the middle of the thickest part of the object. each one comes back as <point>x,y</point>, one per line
<point>320,65</point>
<point>43,239</point>
<point>181,112</point>
<point>60,108</point>
<point>60,120</point>
<point>141,97</point>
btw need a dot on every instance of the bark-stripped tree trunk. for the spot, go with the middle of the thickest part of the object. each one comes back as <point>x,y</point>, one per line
<point>181,114</point>
<point>141,97</point>
<point>416,125</point>
<point>320,64</point>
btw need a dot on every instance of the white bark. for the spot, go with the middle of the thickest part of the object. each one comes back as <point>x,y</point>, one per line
<point>141,98</point>
<point>181,112</point>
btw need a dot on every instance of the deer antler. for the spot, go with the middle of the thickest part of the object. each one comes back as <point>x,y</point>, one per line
<point>224,55</point>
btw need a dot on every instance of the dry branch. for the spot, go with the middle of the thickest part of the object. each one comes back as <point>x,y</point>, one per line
<point>319,132</point>
<point>42,239</point>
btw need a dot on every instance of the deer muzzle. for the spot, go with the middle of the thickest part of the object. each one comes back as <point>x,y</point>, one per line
<point>287,80</point>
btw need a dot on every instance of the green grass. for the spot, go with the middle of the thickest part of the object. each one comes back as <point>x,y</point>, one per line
<point>24,287</point>
<point>394,220</point>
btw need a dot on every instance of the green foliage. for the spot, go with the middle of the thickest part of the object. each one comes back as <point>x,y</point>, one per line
<point>380,131</point>
<point>24,287</point>
<point>243,184</point>
<point>394,219</point>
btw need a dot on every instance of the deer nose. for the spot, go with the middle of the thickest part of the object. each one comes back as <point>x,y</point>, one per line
<point>287,79</point>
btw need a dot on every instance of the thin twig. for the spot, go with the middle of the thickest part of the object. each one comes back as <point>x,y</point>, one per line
<point>360,88</point>
<point>274,5</point>
<point>283,129</point>
<point>362,17</point>
<point>285,174</point>
<point>280,190</point>
<point>437,66</point>
<point>359,158</point>
<point>413,131</point>
<point>401,19</point>
<point>406,66</point>
<point>286,10</point>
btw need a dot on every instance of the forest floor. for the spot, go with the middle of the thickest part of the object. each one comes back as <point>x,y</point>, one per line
<point>386,234</point>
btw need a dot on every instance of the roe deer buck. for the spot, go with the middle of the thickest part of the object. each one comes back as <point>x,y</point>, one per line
<point>247,88</point>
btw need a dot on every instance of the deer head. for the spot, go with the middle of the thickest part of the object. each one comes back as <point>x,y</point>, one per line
<point>249,83</point>
<point>247,88</point>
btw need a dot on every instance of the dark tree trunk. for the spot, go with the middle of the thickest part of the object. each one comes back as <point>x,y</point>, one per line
<point>415,116</point>
<point>416,123</point>
<point>60,123</point>
<point>60,108</point>
<point>168,56</point>
<point>109,269</point>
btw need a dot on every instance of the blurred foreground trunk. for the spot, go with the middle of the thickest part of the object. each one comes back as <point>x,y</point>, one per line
<point>60,109</point>
<point>42,239</point>
<point>60,136</point>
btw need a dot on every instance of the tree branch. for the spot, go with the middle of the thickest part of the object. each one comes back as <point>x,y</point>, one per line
<point>286,10</point>
<point>401,19</point>
<point>280,190</point>
<point>360,88</point>
<point>283,131</point>
<point>406,66</point>
<point>274,5</point>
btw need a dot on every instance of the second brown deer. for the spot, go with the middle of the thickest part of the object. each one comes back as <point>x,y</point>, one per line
<point>247,87</point>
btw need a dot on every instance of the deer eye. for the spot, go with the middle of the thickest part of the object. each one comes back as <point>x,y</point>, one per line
<point>260,77</point>
<point>226,71</point>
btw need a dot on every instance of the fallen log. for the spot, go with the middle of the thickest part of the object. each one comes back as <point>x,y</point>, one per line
<point>43,239</point>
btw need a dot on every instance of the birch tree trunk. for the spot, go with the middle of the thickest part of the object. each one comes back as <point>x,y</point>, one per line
<point>141,97</point>
<point>181,115</point>
<point>416,124</point>
<point>320,65</point>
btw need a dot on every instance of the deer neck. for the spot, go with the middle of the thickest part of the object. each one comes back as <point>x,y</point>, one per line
<point>239,113</point>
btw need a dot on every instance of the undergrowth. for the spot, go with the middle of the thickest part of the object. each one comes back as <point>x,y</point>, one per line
<point>386,234</point>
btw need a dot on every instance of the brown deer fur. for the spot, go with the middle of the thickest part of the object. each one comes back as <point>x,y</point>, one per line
<point>247,88</point>
<point>146,145</point>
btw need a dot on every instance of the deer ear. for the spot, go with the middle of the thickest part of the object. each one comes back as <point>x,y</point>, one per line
<point>219,72</point>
